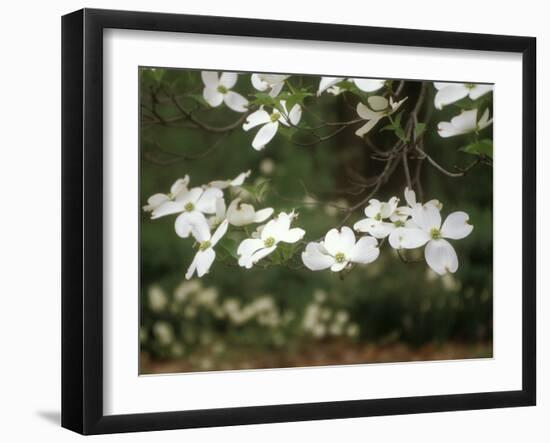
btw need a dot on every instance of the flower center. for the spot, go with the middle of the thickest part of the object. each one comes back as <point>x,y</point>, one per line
<point>204,245</point>
<point>222,89</point>
<point>435,233</point>
<point>275,116</point>
<point>340,257</point>
<point>399,223</point>
<point>189,207</point>
<point>378,216</point>
<point>269,242</point>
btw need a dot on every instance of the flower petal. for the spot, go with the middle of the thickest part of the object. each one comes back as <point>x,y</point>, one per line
<point>339,241</point>
<point>366,113</point>
<point>374,208</point>
<point>480,90</point>
<point>426,217</point>
<point>207,201</point>
<point>240,214</point>
<point>249,246</point>
<point>366,127</point>
<point>239,179</point>
<point>210,79</point>
<point>293,235</point>
<point>262,215</point>
<point>212,96</point>
<point>204,261</point>
<point>441,256</point>
<point>368,84</point>
<point>381,229</point>
<point>450,94</point>
<point>484,121</point>
<point>167,208</point>
<point>192,267</point>
<point>276,89</point>
<point>446,130</point>
<point>327,82</point>
<point>378,103</point>
<point>337,267</point>
<point>456,226</point>
<point>258,82</point>
<point>277,228</point>
<point>155,201</point>
<point>466,121</point>
<point>220,208</point>
<point>235,101</point>
<point>192,223</point>
<point>262,253</point>
<point>258,117</point>
<point>191,196</point>
<point>365,251</point>
<point>365,225</point>
<point>410,197</point>
<point>264,135</point>
<point>220,232</point>
<point>315,258</point>
<point>295,114</point>
<point>180,185</point>
<point>408,238</point>
<point>228,79</point>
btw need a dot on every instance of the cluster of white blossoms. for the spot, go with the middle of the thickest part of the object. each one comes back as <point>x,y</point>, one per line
<point>218,90</point>
<point>202,213</point>
<point>406,227</point>
<point>467,121</point>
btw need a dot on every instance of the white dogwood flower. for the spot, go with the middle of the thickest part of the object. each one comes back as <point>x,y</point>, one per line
<point>272,82</point>
<point>401,216</point>
<point>178,188</point>
<point>378,108</point>
<point>364,84</point>
<point>252,250</point>
<point>439,253</point>
<point>270,123</point>
<point>217,89</point>
<point>206,255</point>
<point>410,198</point>
<point>237,181</point>
<point>448,93</point>
<point>242,214</point>
<point>378,213</point>
<point>339,250</point>
<point>193,206</point>
<point>335,90</point>
<point>464,123</point>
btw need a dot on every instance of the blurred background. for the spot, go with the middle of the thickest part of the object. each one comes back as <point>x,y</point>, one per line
<point>233,318</point>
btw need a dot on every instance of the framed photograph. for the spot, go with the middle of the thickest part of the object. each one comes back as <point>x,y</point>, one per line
<point>270,221</point>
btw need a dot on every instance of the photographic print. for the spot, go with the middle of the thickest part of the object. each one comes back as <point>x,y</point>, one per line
<point>292,220</point>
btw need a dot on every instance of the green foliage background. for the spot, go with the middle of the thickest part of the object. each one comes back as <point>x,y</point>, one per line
<point>389,301</point>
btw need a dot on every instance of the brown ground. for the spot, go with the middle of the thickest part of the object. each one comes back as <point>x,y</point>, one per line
<point>321,354</point>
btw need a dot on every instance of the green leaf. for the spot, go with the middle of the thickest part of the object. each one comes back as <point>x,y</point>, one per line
<point>419,129</point>
<point>229,246</point>
<point>397,121</point>
<point>482,147</point>
<point>199,99</point>
<point>294,98</point>
<point>401,134</point>
<point>264,99</point>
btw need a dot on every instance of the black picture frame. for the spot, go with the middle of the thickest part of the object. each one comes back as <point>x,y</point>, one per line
<point>82,221</point>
